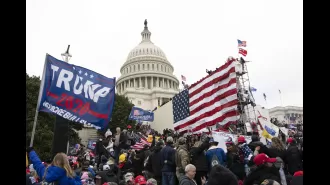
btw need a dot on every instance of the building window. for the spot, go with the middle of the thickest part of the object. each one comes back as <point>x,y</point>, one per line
<point>139,102</point>
<point>142,66</point>
<point>138,67</point>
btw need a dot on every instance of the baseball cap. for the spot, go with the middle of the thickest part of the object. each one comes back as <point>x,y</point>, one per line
<point>289,140</point>
<point>241,139</point>
<point>140,180</point>
<point>263,158</point>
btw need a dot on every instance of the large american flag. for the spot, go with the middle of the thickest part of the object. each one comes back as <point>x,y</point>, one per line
<point>210,101</point>
<point>140,141</point>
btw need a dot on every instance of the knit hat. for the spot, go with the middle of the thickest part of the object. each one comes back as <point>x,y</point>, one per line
<point>122,158</point>
<point>151,181</point>
<point>140,180</point>
<point>129,177</point>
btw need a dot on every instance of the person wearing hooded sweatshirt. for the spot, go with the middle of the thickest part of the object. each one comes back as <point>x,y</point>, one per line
<point>59,171</point>
<point>197,155</point>
<point>181,157</point>
<point>214,151</point>
<point>153,164</point>
<point>265,170</point>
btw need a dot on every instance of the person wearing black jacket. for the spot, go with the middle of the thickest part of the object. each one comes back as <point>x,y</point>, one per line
<point>198,159</point>
<point>167,160</point>
<point>265,170</point>
<point>153,164</point>
<point>292,157</point>
<point>99,150</point>
<point>255,141</point>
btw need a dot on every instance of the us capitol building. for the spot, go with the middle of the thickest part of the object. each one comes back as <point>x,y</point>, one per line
<point>147,78</point>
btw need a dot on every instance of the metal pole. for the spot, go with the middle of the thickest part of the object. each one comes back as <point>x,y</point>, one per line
<point>34,127</point>
<point>67,55</point>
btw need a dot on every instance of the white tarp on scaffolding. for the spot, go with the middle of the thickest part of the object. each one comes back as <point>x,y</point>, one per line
<point>222,137</point>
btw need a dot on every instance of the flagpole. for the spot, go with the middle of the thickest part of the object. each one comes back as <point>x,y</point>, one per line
<point>280,97</point>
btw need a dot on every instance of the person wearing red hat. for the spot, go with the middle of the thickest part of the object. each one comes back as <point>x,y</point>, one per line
<point>265,170</point>
<point>293,157</point>
<point>140,180</point>
<point>245,153</point>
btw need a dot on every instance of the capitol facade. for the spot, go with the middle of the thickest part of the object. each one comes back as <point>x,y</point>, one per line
<point>147,78</point>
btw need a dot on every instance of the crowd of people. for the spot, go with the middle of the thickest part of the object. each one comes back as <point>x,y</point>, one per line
<point>173,160</point>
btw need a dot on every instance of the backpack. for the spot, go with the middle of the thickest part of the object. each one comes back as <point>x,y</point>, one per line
<point>214,160</point>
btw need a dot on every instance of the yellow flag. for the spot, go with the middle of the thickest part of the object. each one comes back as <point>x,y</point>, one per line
<point>266,134</point>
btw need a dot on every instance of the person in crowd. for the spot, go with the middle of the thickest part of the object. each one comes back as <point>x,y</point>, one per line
<point>220,175</point>
<point>265,170</point>
<point>188,178</point>
<point>167,159</point>
<point>255,141</point>
<point>58,171</point>
<point>108,174</point>
<point>154,162</point>
<point>152,181</point>
<point>110,147</point>
<point>138,161</point>
<point>215,155</point>
<point>297,178</point>
<point>198,158</point>
<point>181,157</point>
<point>245,152</point>
<point>100,150</point>
<point>117,143</point>
<point>292,157</point>
<point>276,149</point>
<point>104,161</point>
<point>234,162</point>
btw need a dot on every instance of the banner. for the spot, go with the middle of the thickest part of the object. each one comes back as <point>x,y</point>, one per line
<point>141,115</point>
<point>222,137</point>
<point>76,93</point>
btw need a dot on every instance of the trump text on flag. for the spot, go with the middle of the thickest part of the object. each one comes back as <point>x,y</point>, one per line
<point>76,93</point>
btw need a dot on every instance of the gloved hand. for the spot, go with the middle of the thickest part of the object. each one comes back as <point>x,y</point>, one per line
<point>29,149</point>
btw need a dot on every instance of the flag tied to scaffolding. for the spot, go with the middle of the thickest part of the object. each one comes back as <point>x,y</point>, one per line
<point>76,93</point>
<point>210,101</point>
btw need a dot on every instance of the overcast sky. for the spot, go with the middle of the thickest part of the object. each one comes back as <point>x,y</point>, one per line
<point>195,35</point>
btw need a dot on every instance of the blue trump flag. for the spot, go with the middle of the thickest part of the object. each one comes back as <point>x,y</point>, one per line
<point>76,93</point>
<point>141,115</point>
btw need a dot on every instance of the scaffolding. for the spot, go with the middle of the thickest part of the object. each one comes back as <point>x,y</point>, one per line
<point>246,102</point>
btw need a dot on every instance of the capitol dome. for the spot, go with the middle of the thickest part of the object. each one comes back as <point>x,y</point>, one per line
<point>147,76</point>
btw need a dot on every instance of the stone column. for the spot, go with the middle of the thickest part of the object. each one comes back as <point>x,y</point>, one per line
<point>157,81</point>
<point>146,82</point>
<point>163,83</point>
<point>152,82</point>
<point>140,84</point>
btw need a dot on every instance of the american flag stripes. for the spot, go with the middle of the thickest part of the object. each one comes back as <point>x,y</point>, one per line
<point>140,141</point>
<point>242,52</point>
<point>210,101</point>
<point>241,43</point>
